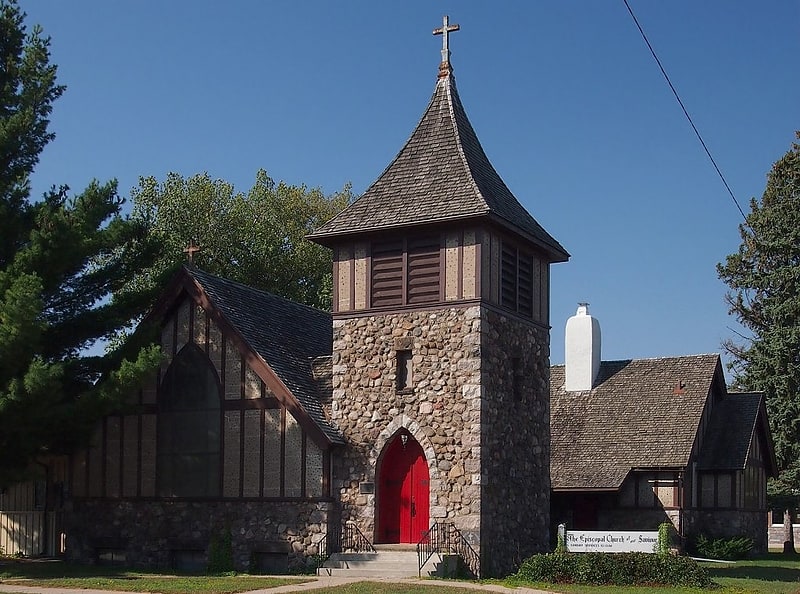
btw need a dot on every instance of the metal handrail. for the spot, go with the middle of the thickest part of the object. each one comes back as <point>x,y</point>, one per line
<point>340,539</point>
<point>444,537</point>
<point>354,540</point>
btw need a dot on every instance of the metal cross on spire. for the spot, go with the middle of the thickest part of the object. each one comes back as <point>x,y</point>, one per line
<point>444,31</point>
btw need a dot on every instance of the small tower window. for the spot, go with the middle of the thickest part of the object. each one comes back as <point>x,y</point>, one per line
<point>403,372</point>
<point>516,377</point>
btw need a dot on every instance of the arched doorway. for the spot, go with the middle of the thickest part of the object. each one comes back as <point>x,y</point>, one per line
<point>403,498</point>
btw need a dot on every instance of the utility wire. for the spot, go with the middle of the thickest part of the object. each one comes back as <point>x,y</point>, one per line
<point>686,113</point>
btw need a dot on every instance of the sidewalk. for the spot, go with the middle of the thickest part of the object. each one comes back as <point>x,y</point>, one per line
<point>316,583</point>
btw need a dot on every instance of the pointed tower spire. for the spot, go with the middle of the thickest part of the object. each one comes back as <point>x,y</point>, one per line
<point>440,176</point>
<point>444,68</point>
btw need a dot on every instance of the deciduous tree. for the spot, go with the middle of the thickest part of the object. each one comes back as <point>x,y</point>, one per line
<point>256,238</point>
<point>764,281</point>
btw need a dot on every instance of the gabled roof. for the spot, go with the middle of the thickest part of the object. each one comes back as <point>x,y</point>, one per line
<point>287,340</point>
<point>642,413</point>
<point>735,424</point>
<point>440,175</point>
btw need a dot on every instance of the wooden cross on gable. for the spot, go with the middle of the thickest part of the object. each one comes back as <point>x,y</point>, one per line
<point>190,250</point>
<point>445,31</point>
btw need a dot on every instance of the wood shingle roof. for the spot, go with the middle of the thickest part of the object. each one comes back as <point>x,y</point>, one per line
<point>290,338</point>
<point>441,174</point>
<point>642,413</point>
<point>733,427</point>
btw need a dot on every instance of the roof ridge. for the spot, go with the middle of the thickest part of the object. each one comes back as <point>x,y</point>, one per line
<point>193,270</point>
<point>662,358</point>
<point>449,82</point>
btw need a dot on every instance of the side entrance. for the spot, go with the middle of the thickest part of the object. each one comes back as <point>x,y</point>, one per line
<point>404,491</point>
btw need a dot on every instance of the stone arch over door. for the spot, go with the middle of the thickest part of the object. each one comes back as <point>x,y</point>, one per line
<point>407,479</point>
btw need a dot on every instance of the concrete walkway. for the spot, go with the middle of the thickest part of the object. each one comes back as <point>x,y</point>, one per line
<point>315,584</point>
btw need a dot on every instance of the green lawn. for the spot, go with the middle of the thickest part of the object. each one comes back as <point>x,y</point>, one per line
<point>56,574</point>
<point>773,574</point>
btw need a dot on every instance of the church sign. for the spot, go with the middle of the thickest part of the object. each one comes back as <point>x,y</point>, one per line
<point>610,541</point>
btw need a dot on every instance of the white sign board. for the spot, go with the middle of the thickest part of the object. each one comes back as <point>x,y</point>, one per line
<point>611,541</point>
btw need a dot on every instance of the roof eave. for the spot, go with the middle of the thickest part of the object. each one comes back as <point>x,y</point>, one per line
<point>585,489</point>
<point>554,250</point>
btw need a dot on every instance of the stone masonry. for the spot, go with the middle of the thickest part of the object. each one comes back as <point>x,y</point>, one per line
<point>481,419</point>
<point>151,533</point>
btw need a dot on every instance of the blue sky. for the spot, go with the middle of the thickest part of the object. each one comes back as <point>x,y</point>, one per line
<point>566,99</point>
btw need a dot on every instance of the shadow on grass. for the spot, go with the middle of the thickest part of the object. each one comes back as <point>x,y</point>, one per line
<point>765,574</point>
<point>52,568</point>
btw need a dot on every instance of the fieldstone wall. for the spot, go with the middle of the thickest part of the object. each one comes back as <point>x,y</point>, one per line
<point>150,533</point>
<point>479,407</point>
<point>441,411</point>
<point>727,524</point>
<point>515,441</point>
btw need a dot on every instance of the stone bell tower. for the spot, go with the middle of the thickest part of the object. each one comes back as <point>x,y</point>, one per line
<point>441,346</point>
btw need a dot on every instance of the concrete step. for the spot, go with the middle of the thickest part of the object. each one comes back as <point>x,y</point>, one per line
<point>384,563</point>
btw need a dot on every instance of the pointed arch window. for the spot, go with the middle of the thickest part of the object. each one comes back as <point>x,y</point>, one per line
<point>188,460</point>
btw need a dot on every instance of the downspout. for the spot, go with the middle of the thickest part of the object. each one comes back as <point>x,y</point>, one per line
<point>681,500</point>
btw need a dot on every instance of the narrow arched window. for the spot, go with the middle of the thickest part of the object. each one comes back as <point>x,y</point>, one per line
<point>189,427</point>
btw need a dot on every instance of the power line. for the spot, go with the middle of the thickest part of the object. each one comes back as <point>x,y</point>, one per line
<point>686,113</point>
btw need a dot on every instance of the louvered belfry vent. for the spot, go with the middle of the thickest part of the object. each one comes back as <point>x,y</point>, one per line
<point>508,276</point>
<point>405,272</point>
<point>423,269</point>
<point>387,273</point>
<point>525,284</point>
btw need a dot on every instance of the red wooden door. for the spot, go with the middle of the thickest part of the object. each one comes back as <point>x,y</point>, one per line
<point>403,505</point>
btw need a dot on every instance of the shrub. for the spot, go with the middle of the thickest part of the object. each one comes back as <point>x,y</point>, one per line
<point>618,569</point>
<point>736,547</point>
<point>220,554</point>
<point>664,538</point>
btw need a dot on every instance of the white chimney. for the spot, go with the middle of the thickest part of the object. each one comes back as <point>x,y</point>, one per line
<point>582,346</point>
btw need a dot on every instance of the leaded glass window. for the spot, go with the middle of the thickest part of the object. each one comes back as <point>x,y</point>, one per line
<point>189,427</point>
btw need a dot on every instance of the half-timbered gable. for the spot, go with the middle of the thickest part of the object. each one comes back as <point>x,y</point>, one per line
<point>235,413</point>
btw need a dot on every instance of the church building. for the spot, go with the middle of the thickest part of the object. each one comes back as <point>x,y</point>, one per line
<point>421,400</point>
<point>419,407</point>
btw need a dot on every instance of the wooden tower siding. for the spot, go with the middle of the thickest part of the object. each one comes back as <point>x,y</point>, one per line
<point>442,266</point>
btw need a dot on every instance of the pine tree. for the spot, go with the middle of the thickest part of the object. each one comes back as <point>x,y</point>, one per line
<point>764,281</point>
<point>61,259</point>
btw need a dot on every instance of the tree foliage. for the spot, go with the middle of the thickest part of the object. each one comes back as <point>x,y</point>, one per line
<point>256,238</point>
<point>764,278</point>
<point>61,258</point>
<point>764,281</point>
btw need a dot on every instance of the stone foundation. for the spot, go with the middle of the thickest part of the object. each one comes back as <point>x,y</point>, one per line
<point>727,524</point>
<point>154,534</point>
